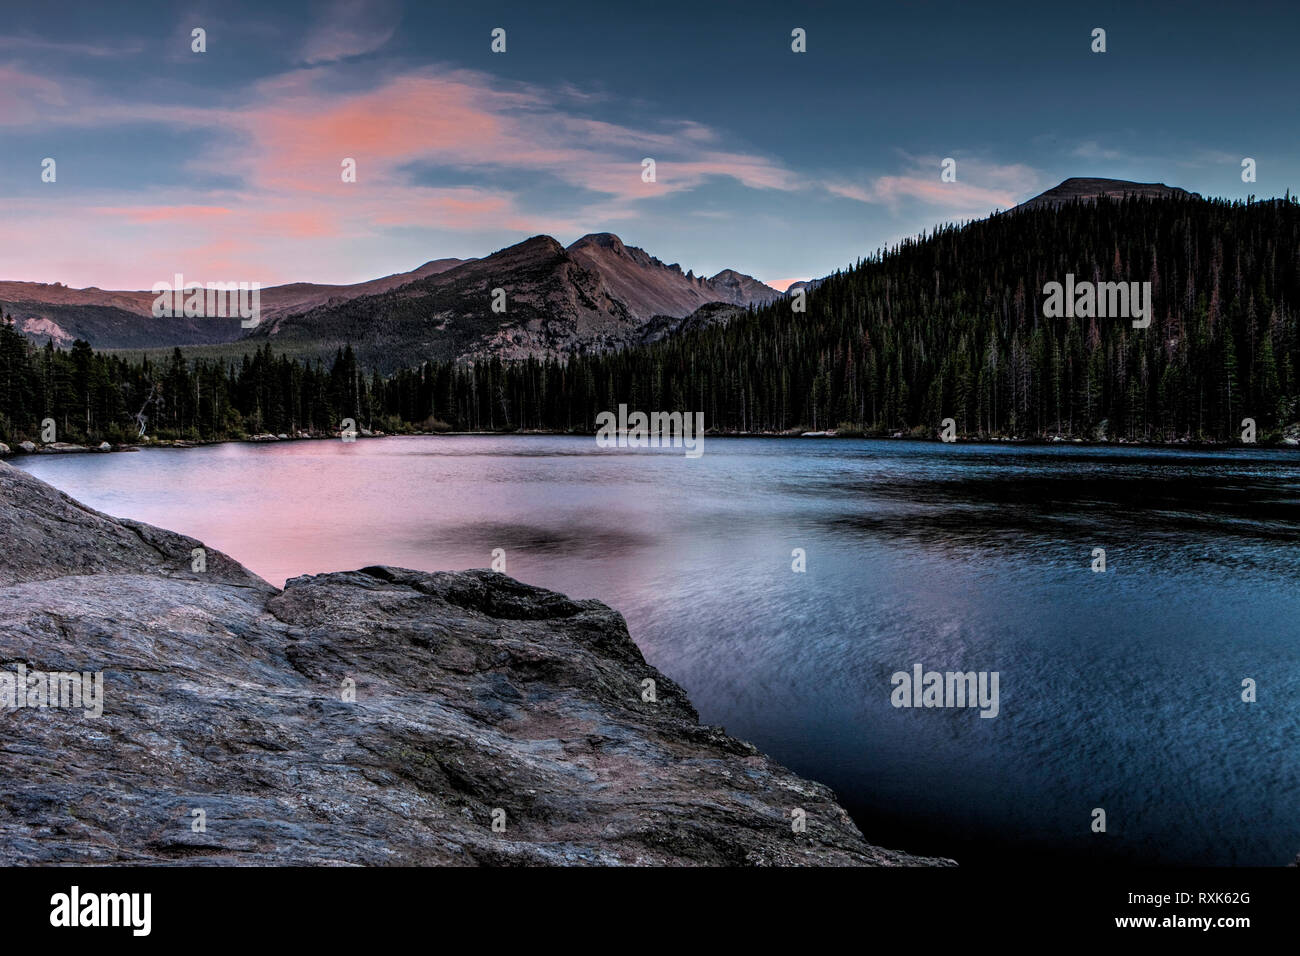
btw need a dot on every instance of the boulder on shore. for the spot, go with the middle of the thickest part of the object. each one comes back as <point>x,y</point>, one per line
<point>378,716</point>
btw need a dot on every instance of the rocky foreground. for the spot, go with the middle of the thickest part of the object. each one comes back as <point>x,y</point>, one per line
<point>477,698</point>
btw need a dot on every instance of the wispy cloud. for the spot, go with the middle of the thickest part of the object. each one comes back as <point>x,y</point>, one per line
<point>980,186</point>
<point>1091,149</point>
<point>351,28</point>
<point>24,96</point>
<point>20,45</point>
<point>284,143</point>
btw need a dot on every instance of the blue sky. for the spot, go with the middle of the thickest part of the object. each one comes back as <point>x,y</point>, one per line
<point>225,164</point>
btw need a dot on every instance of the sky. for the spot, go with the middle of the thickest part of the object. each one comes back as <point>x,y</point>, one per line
<point>226,164</point>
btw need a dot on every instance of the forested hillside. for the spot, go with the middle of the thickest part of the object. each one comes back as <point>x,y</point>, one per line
<point>951,325</point>
<point>947,325</point>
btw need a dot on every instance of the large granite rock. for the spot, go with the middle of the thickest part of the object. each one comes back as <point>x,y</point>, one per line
<point>474,694</point>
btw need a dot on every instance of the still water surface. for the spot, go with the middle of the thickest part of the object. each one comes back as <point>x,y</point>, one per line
<point>1119,690</point>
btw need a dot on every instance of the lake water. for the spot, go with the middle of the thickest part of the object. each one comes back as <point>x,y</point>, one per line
<point>1119,690</point>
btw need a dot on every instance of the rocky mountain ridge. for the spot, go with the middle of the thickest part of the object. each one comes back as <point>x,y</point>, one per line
<point>591,295</point>
<point>534,299</point>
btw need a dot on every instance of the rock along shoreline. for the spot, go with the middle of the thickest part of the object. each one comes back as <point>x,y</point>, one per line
<point>373,717</point>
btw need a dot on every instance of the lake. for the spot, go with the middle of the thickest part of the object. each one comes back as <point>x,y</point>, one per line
<point>1120,690</point>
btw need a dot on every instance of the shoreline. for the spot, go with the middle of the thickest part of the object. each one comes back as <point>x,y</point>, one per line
<point>65,448</point>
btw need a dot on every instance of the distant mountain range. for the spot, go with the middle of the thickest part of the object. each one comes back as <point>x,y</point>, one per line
<point>108,319</point>
<point>598,293</point>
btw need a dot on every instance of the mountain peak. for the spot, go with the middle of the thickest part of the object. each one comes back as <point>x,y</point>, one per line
<point>541,243</point>
<point>602,240</point>
<point>1090,189</point>
<point>652,288</point>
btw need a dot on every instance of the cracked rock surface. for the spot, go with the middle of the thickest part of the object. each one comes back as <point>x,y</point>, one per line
<point>476,696</point>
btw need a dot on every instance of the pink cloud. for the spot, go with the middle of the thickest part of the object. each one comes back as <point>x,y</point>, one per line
<point>301,136</point>
<point>958,195</point>
<point>155,214</point>
<point>285,144</point>
<point>25,96</point>
<point>458,209</point>
<point>980,187</point>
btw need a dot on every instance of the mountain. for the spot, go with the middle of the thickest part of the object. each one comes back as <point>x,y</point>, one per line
<point>649,288</point>
<point>1090,190</point>
<point>953,325</point>
<point>595,295</point>
<point>108,319</point>
<point>806,284</point>
<point>1071,190</point>
<point>554,304</point>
